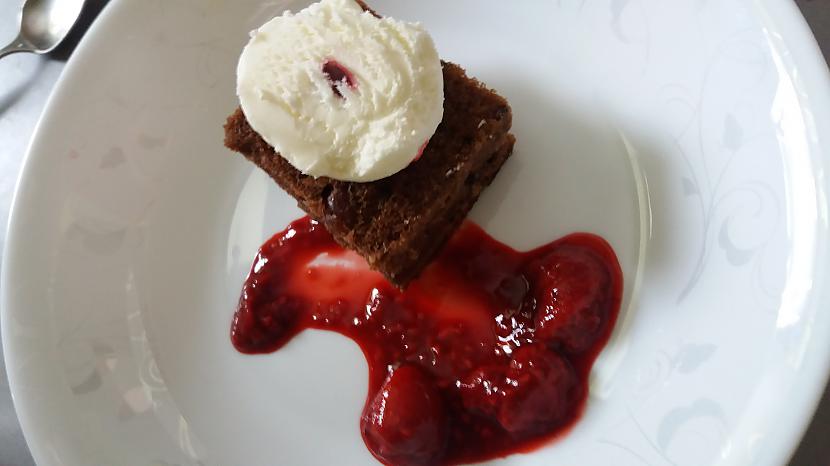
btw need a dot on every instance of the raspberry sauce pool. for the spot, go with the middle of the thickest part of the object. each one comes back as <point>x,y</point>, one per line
<point>486,354</point>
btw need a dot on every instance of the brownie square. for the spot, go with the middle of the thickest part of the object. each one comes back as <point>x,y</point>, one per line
<point>399,223</point>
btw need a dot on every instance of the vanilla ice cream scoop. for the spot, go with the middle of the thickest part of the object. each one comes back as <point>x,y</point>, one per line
<point>341,93</point>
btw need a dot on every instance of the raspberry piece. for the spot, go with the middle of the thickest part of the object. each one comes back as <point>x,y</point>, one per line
<point>405,424</point>
<point>571,299</point>
<point>530,395</point>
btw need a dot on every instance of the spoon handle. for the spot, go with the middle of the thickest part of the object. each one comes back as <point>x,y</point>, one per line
<point>17,45</point>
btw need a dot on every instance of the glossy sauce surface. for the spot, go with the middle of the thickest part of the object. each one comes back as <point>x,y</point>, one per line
<point>486,354</point>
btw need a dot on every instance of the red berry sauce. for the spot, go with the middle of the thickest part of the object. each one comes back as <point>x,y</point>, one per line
<point>488,353</point>
<point>338,75</point>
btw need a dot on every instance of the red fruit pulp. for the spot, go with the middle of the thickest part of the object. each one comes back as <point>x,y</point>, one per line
<point>486,354</point>
<point>338,75</point>
<point>406,423</point>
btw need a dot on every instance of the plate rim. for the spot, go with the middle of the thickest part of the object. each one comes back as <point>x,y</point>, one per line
<point>28,166</point>
<point>804,50</point>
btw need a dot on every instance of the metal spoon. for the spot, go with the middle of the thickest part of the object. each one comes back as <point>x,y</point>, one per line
<point>43,25</point>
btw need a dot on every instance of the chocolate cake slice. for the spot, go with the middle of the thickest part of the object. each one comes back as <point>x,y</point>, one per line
<point>399,223</point>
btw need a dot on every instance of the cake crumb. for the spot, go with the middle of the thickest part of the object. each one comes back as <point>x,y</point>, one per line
<point>454,169</point>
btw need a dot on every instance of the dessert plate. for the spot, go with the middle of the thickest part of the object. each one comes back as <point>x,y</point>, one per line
<point>692,136</point>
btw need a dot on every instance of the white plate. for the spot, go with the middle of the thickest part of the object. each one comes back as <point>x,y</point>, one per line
<point>691,134</point>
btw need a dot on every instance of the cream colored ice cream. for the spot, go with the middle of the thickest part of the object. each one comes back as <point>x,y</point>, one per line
<point>340,93</point>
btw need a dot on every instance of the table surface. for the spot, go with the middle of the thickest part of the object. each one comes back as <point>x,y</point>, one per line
<point>26,81</point>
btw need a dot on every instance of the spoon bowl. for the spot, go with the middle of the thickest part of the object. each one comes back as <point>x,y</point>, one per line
<point>43,25</point>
